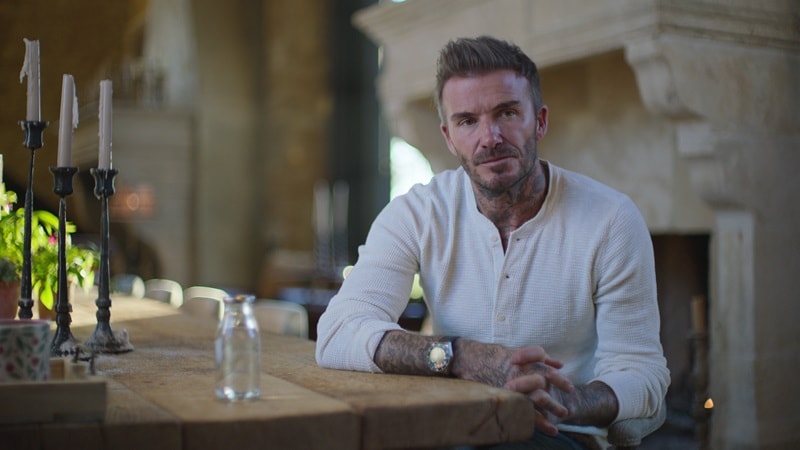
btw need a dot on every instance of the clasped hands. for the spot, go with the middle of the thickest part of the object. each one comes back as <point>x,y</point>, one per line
<point>534,373</point>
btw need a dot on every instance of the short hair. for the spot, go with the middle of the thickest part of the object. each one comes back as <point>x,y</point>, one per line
<point>466,57</point>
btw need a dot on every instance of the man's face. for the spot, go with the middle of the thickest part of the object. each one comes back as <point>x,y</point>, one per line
<point>491,126</point>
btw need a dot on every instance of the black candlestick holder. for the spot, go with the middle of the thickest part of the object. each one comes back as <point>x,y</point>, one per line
<point>63,342</point>
<point>103,339</point>
<point>34,130</point>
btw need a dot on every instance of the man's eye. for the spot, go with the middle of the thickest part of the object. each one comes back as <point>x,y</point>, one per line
<point>468,121</point>
<point>510,113</point>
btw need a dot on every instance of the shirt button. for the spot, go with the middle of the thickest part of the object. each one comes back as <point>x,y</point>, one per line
<point>501,318</point>
<point>494,238</point>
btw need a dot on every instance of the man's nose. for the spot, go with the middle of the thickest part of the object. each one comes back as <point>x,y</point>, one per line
<point>490,134</point>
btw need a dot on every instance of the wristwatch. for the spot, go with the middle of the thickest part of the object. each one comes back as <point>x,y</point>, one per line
<point>440,355</point>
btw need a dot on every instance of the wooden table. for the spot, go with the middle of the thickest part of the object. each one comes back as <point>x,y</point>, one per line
<point>161,396</point>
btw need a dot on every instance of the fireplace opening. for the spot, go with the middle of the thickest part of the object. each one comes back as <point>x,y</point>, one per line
<point>682,274</point>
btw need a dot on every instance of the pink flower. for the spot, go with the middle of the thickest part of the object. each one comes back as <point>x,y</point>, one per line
<point>52,240</point>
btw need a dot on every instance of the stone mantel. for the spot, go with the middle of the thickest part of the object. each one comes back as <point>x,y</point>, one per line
<point>556,31</point>
<point>725,99</point>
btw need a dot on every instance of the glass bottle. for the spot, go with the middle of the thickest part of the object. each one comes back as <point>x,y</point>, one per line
<point>238,351</point>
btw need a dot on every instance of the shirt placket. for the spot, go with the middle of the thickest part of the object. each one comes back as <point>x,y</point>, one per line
<point>505,290</point>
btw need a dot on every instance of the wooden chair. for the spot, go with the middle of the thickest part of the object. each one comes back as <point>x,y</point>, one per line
<point>203,301</point>
<point>281,317</point>
<point>167,291</point>
<point>128,284</point>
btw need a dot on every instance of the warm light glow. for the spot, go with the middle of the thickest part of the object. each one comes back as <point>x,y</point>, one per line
<point>132,203</point>
<point>408,167</point>
<point>708,404</point>
<point>416,288</point>
<point>346,271</point>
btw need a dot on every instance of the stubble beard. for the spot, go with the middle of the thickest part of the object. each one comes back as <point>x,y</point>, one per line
<point>502,184</point>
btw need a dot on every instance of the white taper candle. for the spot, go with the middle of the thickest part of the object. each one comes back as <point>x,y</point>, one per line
<point>30,68</point>
<point>67,121</point>
<point>104,155</point>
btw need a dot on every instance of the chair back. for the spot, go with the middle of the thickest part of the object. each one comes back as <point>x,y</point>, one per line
<point>167,291</point>
<point>281,317</point>
<point>128,284</point>
<point>203,301</point>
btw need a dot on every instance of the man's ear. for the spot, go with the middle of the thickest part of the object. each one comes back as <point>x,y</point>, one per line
<point>446,134</point>
<point>541,122</point>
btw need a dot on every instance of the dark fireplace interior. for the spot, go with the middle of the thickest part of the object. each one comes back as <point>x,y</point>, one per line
<point>682,268</point>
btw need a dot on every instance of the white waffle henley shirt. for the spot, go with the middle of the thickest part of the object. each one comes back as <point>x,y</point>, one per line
<point>577,279</point>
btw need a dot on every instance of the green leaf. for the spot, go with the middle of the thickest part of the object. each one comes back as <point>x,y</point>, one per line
<point>46,295</point>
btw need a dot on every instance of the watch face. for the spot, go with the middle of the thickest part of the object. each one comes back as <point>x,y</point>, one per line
<point>439,356</point>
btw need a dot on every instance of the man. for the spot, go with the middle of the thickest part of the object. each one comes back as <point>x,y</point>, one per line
<point>536,278</point>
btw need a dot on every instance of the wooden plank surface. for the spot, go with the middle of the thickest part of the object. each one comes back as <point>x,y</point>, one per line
<point>401,411</point>
<point>161,397</point>
<point>131,423</point>
<point>172,367</point>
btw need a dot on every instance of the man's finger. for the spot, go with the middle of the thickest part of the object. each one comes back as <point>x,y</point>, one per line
<point>545,402</point>
<point>541,424</point>
<point>560,381</point>
<point>534,354</point>
<point>527,383</point>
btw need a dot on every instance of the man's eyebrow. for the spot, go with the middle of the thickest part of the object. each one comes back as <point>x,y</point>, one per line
<point>508,104</point>
<point>455,117</point>
<point>500,106</point>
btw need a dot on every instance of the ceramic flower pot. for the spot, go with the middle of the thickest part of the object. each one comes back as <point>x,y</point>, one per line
<point>9,299</point>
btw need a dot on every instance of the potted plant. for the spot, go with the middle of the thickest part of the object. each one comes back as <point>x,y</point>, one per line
<point>9,270</point>
<point>81,262</point>
<point>9,289</point>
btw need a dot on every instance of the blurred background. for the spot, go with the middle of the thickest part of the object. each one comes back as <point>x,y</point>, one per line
<point>256,140</point>
<point>224,118</point>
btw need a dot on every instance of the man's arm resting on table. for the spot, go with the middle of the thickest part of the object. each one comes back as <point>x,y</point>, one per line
<point>405,353</point>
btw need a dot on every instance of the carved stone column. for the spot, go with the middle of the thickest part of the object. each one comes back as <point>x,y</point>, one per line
<point>734,106</point>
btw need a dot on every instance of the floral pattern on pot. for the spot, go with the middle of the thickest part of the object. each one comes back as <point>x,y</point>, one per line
<point>24,350</point>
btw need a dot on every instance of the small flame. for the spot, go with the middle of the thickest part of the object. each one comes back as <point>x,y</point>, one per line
<point>709,404</point>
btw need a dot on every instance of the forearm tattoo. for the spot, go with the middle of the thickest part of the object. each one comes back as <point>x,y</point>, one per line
<point>591,404</point>
<point>492,366</point>
<point>406,353</point>
<point>403,353</point>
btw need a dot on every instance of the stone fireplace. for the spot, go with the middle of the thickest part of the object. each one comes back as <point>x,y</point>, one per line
<point>690,108</point>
